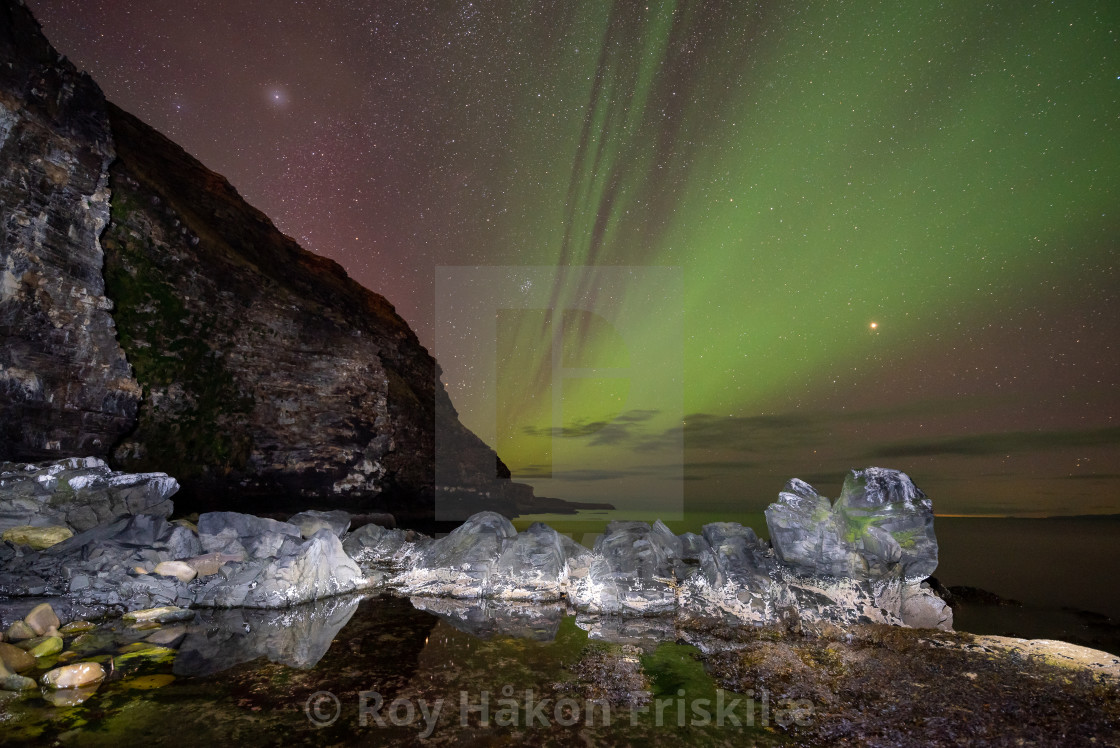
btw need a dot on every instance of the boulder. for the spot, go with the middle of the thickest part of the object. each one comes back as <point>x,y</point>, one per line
<point>881,526</point>
<point>897,518</point>
<point>312,521</point>
<point>376,547</point>
<point>460,564</point>
<point>316,569</point>
<point>634,571</point>
<point>923,609</point>
<point>735,576</point>
<point>254,537</point>
<point>536,565</point>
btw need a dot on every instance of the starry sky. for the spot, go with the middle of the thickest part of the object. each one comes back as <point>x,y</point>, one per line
<point>683,251</point>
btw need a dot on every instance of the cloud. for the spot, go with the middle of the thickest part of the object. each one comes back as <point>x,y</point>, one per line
<point>626,428</point>
<point>1002,443</point>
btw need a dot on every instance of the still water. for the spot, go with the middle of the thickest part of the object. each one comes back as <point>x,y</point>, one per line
<point>387,670</point>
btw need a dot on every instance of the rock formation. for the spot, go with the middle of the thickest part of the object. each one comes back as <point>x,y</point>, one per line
<point>196,339</point>
<point>78,494</point>
<point>636,570</point>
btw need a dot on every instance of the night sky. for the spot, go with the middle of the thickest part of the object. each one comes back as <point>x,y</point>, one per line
<point>819,234</point>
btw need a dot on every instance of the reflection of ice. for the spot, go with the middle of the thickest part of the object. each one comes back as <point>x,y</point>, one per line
<point>646,632</point>
<point>298,636</point>
<point>487,618</point>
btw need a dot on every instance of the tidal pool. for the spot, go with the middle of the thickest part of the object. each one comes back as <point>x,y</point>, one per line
<point>384,670</point>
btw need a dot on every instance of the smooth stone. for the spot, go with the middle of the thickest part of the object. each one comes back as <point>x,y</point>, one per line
<point>209,564</point>
<point>167,636</point>
<point>161,614</point>
<point>77,627</point>
<point>19,631</point>
<point>42,619</point>
<point>73,676</point>
<point>38,538</point>
<point>15,659</point>
<point>15,682</point>
<point>46,646</point>
<point>178,569</point>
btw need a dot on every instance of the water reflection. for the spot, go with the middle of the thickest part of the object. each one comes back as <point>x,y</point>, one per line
<point>485,619</point>
<point>297,637</point>
<point>300,637</point>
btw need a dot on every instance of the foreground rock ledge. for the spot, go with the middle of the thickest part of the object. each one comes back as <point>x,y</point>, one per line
<point>860,560</point>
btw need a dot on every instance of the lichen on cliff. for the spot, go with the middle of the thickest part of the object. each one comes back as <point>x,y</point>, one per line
<point>192,409</point>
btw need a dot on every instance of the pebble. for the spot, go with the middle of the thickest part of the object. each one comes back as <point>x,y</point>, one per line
<point>178,569</point>
<point>42,619</point>
<point>15,659</point>
<point>73,676</point>
<point>38,538</point>
<point>46,646</point>
<point>19,631</point>
<point>13,682</point>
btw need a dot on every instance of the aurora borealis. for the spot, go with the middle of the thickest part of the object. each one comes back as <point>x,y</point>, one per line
<point>894,225</point>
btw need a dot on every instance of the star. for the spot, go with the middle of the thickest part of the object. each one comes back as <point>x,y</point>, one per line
<point>278,97</point>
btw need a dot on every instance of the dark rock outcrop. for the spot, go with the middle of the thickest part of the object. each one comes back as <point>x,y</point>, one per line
<point>262,377</point>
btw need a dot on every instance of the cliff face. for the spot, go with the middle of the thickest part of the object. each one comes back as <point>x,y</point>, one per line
<point>265,378</point>
<point>65,386</point>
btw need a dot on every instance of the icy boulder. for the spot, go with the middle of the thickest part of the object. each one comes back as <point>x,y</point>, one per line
<point>460,564</point>
<point>880,527</point>
<point>893,518</point>
<point>636,571</point>
<point>538,565</point>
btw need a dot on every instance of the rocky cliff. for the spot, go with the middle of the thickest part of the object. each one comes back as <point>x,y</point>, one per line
<point>65,386</point>
<point>262,377</point>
